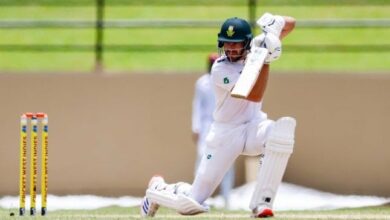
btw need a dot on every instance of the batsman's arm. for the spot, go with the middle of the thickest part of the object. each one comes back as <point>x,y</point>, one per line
<point>195,137</point>
<point>257,93</point>
<point>289,25</point>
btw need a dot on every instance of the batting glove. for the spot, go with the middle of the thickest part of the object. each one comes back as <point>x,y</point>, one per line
<point>270,42</point>
<point>271,23</point>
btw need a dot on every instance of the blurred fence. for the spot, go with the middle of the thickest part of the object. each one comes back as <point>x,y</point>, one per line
<point>100,24</point>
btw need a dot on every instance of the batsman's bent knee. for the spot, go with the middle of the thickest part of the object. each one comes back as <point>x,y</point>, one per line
<point>281,138</point>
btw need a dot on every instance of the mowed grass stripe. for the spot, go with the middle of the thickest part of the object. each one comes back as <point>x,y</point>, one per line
<point>227,216</point>
<point>115,212</point>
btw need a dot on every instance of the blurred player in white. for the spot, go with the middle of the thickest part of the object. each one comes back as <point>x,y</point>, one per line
<point>239,127</point>
<point>203,106</point>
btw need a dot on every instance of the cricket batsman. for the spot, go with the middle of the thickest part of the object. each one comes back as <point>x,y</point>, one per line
<point>240,126</point>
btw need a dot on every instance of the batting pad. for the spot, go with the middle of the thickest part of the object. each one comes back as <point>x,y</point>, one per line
<point>278,149</point>
<point>181,203</point>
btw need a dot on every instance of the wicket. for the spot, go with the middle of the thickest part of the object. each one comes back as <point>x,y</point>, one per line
<point>34,118</point>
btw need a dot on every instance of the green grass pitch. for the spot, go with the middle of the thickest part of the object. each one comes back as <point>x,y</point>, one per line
<point>111,213</point>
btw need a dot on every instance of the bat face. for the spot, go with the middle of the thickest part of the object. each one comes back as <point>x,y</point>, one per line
<point>250,73</point>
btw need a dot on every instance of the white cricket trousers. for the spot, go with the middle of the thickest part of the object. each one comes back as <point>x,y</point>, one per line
<point>225,142</point>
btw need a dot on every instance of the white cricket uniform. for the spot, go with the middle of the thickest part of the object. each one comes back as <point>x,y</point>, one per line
<point>239,127</point>
<point>203,106</point>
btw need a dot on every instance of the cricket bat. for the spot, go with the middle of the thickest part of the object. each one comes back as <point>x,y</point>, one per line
<point>250,73</point>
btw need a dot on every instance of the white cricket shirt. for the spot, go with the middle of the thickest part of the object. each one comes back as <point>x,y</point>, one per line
<point>224,75</point>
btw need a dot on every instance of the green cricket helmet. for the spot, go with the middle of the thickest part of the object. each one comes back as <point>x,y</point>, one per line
<point>235,30</point>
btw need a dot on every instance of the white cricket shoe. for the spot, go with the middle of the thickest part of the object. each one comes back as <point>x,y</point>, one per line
<point>262,212</point>
<point>157,183</point>
<point>149,208</point>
